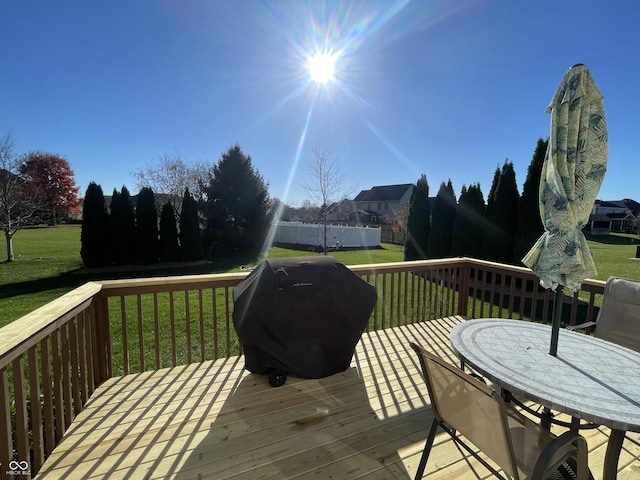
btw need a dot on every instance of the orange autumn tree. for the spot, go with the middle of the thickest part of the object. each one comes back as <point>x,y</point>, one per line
<point>52,181</point>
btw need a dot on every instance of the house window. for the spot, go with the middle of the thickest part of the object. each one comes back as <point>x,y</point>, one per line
<point>386,205</point>
<point>379,205</point>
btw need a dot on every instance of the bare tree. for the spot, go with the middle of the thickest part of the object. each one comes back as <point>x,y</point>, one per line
<point>171,175</point>
<point>325,186</point>
<point>18,204</point>
<point>399,225</point>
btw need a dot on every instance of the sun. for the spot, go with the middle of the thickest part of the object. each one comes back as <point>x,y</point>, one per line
<point>322,67</point>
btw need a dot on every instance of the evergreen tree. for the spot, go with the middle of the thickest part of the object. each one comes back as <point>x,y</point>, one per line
<point>190,236</point>
<point>530,226</point>
<point>467,226</point>
<point>147,227</point>
<point>443,215</point>
<point>502,220</point>
<point>418,221</point>
<point>94,236</point>
<point>169,248</point>
<point>122,221</point>
<point>488,228</point>
<point>236,206</point>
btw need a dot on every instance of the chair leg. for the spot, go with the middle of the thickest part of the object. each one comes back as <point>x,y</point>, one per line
<point>427,449</point>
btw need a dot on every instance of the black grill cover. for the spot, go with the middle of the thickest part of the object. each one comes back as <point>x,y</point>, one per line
<point>301,315</point>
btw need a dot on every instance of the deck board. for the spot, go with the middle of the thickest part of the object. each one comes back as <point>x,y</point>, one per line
<point>216,420</point>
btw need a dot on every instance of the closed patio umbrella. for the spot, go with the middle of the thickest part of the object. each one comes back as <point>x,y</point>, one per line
<point>572,173</point>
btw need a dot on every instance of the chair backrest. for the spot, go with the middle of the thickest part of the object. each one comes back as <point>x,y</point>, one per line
<point>619,317</point>
<point>469,407</point>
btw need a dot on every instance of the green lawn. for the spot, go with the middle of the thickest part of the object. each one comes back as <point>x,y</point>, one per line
<point>48,264</point>
<point>614,255</point>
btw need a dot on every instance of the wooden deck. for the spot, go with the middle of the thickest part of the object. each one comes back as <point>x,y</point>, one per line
<point>215,420</point>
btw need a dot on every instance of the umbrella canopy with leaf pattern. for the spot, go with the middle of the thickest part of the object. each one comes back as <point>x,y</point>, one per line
<point>573,170</point>
<point>572,173</point>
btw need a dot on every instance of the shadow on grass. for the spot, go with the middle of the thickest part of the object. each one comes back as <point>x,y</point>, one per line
<point>296,247</point>
<point>74,279</point>
<point>613,239</point>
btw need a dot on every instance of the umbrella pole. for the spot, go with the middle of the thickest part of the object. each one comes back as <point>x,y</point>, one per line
<point>555,320</point>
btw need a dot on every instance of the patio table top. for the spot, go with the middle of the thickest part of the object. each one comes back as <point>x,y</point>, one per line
<point>590,378</point>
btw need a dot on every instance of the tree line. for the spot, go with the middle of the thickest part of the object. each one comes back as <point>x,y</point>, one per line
<point>223,209</point>
<point>502,229</point>
<point>229,214</point>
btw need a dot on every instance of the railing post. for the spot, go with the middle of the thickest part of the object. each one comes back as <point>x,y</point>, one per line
<point>103,365</point>
<point>464,273</point>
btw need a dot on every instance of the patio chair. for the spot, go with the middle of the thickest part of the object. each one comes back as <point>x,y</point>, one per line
<point>618,320</point>
<point>464,406</point>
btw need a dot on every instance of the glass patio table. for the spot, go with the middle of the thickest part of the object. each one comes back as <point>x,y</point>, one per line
<point>590,379</point>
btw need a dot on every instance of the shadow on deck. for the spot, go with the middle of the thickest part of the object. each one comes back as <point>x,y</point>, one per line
<point>216,420</point>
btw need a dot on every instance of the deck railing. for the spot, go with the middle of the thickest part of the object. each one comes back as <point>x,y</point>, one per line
<point>53,359</point>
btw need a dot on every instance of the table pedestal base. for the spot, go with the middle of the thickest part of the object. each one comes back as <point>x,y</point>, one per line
<point>614,446</point>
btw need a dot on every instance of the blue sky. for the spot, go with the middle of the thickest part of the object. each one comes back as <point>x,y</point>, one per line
<point>446,88</point>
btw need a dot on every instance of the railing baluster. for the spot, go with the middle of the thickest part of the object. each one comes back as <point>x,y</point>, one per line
<point>201,320</point>
<point>574,309</point>
<point>590,308</point>
<point>424,308</point>
<point>140,332</point>
<point>47,393</point>
<point>485,274</point>
<point>172,316</point>
<point>6,437</point>
<point>227,320</point>
<point>20,394</point>
<point>523,296</point>
<point>534,300</point>
<point>102,341</point>
<point>449,279</point>
<point>36,409</point>
<point>473,272</point>
<point>384,301</point>
<point>500,287</point>
<point>82,354</point>
<point>391,298</point>
<point>91,349</point>
<point>57,386</point>
<point>125,336</point>
<point>492,289</point>
<point>156,329</point>
<point>66,377</point>
<point>545,305</point>
<point>187,319</point>
<point>512,291</point>
<point>75,368</point>
<point>407,312</point>
<point>214,303</point>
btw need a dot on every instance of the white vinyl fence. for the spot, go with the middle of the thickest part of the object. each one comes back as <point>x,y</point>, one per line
<point>312,234</point>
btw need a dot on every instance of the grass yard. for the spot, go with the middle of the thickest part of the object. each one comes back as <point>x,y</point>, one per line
<point>614,255</point>
<point>48,265</point>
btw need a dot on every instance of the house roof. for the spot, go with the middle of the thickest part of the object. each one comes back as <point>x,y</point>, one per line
<point>383,193</point>
<point>611,203</point>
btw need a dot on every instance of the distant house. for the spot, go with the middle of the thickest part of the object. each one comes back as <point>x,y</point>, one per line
<point>378,204</point>
<point>613,216</point>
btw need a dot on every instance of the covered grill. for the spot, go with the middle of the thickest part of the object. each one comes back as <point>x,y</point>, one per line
<point>302,316</point>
